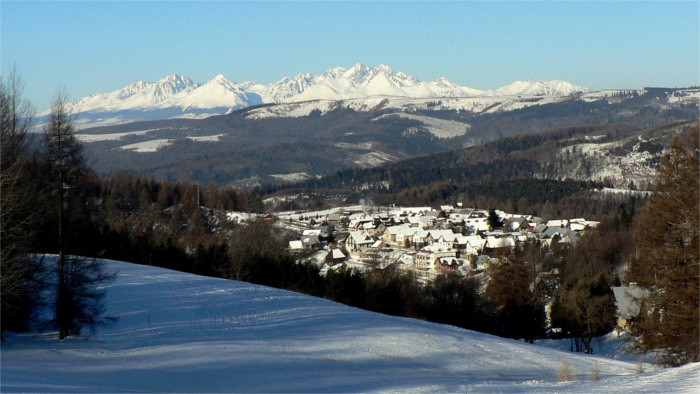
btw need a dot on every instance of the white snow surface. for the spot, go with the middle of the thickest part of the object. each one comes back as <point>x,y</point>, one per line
<point>205,138</point>
<point>136,95</point>
<point>147,146</point>
<point>440,128</point>
<point>292,177</point>
<point>183,333</point>
<point>110,136</point>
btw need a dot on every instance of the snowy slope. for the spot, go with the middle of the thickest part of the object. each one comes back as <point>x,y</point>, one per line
<point>137,95</point>
<point>540,88</point>
<point>178,96</point>
<point>217,93</point>
<point>183,333</point>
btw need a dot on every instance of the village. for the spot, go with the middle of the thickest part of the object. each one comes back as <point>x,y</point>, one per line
<point>424,241</point>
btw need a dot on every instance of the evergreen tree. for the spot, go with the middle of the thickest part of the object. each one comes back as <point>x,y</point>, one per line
<point>517,313</point>
<point>494,220</point>
<point>668,257</point>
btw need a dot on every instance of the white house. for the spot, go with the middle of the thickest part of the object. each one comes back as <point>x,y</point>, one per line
<point>358,240</point>
<point>426,257</point>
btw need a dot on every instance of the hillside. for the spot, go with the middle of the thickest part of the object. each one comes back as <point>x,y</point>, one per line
<point>182,333</point>
<point>276,143</point>
<point>617,155</point>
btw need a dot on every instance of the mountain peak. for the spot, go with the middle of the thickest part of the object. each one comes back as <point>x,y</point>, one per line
<point>384,68</point>
<point>219,78</point>
<point>540,88</point>
<point>337,83</point>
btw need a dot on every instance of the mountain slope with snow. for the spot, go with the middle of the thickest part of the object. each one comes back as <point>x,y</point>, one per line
<point>137,95</point>
<point>178,96</point>
<point>183,333</point>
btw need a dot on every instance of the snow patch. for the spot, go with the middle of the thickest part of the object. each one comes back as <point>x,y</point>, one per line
<point>440,128</point>
<point>294,177</point>
<point>373,159</point>
<point>206,138</point>
<point>147,146</point>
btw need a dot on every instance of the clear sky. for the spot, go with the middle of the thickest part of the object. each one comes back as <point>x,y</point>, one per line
<point>90,47</point>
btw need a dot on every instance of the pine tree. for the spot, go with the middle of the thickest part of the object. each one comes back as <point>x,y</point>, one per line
<point>517,311</point>
<point>78,280</point>
<point>668,259</point>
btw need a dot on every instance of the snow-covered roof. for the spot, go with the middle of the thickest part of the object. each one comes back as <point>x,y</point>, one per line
<point>377,244</point>
<point>337,254</point>
<point>393,230</point>
<point>629,299</point>
<point>361,237</point>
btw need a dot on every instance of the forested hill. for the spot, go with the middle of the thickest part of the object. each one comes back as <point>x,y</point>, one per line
<point>296,141</point>
<point>539,166</point>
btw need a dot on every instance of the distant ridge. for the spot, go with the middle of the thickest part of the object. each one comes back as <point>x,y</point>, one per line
<point>177,95</point>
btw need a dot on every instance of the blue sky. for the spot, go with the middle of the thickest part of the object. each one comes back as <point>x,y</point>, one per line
<point>90,47</point>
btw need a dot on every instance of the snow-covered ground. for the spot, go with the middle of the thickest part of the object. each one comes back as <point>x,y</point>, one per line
<point>148,146</point>
<point>293,177</point>
<point>183,333</point>
<point>206,138</point>
<point>440,128</point>
<point>87,138</point>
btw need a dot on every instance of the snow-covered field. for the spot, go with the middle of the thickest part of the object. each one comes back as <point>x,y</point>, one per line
<point>148,146</point>
<point>183,333</point>
<point>438,127</point>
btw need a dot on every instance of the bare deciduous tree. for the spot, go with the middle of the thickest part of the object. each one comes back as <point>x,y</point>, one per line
<point>17,270</point>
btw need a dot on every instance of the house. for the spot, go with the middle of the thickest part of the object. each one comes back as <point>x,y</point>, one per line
<point>446,264</point>
<point>336,256</point>
<point>377,230</point>
<point>426,257</point>
<point>358,240</point>
<point>440,236</point>
<point>564,235</point>
<point>378,244</point>
<point>427,221</point>
<point>447,208</point>
<point>405,234</point>
<point>539,229</point>
<point>414,221</point>
<point>475,244</point>
<point>334,218</point>
<point>296,246</point>
<point>558,223</point>
<point>517,223</point>
<point>391,231</point>
<point>629,302</point>
<point>310,241</point>
<point>494,243</point>
<point>479,213</point>
<point>477,224</point>
<point>408,258</point>
<point>420,238</point>
<point>316,232</point>
<point>482,262</point>
<point>577,226</point>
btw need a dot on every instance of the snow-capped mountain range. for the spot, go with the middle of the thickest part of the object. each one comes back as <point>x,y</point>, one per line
<point>179,96</point>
